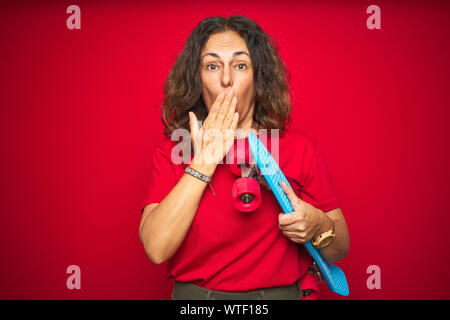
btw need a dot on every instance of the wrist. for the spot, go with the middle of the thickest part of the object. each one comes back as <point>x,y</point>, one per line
<point>325,223</point>
<point>206,169</point>
<point>324,238</point>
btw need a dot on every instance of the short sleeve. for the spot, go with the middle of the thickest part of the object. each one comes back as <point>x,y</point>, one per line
<point>318,187</point>
<point>162,176</point>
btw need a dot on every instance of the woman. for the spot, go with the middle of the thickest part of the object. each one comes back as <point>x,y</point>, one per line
<point>230,77</point>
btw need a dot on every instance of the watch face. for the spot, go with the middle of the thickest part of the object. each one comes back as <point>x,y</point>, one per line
<point>326,241</point>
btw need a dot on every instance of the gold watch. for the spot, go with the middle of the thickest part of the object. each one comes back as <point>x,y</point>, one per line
<point>325,238</point>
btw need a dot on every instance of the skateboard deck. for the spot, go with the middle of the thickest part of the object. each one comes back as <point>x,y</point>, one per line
<point>333,275</point>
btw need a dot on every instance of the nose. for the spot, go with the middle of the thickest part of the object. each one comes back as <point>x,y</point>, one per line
<point>227,78</point>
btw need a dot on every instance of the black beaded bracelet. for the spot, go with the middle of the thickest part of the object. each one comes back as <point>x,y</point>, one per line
<point>197,174</point>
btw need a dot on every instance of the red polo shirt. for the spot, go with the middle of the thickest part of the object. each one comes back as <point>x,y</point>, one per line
<point>228,250</point>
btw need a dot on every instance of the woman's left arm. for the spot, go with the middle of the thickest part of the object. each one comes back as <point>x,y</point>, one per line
<point>307,222</point>
<point>338,249</point>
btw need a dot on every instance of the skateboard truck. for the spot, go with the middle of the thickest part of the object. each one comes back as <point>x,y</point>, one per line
<point>245,192</point>
<point>314,269</point>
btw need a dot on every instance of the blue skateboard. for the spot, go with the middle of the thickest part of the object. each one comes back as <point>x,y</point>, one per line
<point>333,275</point>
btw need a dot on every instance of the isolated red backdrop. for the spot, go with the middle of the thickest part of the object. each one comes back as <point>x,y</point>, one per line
<point>79,118</point>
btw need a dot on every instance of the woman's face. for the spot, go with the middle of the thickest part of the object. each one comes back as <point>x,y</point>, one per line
<point>225,63</point>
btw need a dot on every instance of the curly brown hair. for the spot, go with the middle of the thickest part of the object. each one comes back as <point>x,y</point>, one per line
<point>182,88</point>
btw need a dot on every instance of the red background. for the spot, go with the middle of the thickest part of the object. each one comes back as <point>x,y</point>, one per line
<point>79,119</point>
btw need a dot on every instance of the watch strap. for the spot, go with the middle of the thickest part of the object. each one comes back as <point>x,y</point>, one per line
<point>319,242</point>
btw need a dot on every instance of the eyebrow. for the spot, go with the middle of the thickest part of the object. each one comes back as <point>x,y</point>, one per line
<point>237,53</point>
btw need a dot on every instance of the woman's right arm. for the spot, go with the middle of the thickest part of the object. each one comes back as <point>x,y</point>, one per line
<point>164,225</point>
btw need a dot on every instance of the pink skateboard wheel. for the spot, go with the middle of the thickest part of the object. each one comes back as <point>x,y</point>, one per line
<point>246,194</point>
<point>310,287</point>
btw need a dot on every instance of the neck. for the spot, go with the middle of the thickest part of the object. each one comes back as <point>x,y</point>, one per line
<point>245,126</point>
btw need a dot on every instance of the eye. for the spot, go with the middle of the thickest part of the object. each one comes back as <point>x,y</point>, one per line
<point>212,65</point>
<point>242,64</point>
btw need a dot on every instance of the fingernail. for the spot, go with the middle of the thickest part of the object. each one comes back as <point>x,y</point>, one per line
<point>234,99</point>
<point>230,93</point>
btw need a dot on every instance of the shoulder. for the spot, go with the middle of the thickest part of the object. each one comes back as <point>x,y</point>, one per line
<point>298,139</point>
<point>164,146</point>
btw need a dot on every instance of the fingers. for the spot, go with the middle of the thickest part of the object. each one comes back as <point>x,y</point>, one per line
<point>298,218</point>
<point>193,124</point>
<point>195,137</point>
<point>298,226</point>
<point>223,110</point>
<point>221,123</point>
<point>230,132</point>
<point>298,237</point>
<point>289,192</point>
<point>215,109</point>
<point>235,121</point>
<point>229,117</point>
<point>297,231</point>
<point>286,219</point>
<point>293,199</point>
